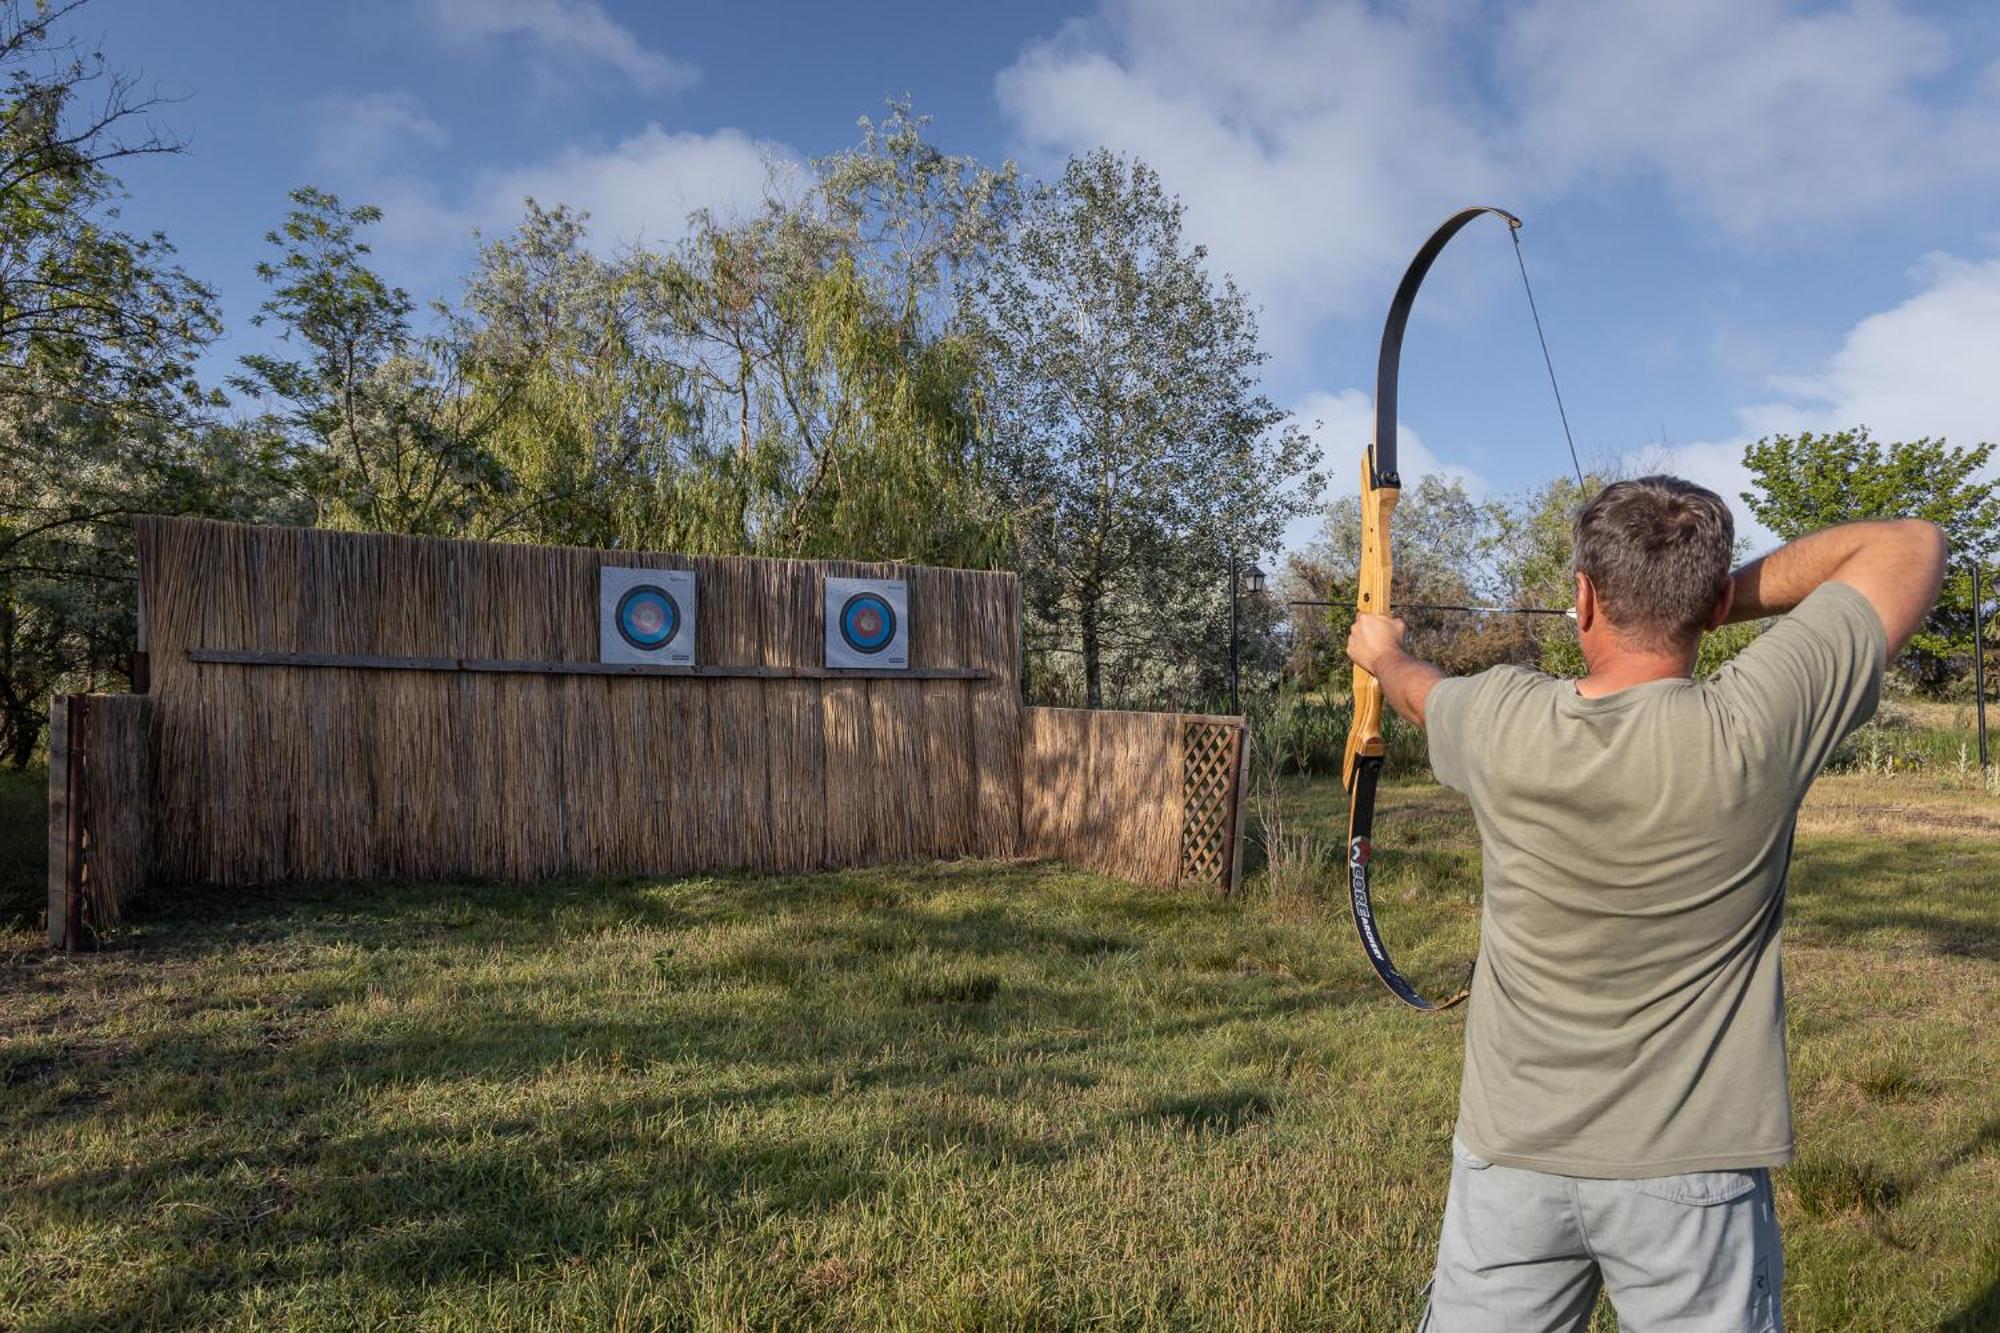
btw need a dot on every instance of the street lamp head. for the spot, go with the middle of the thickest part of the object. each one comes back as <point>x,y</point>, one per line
<point>1253,578</point>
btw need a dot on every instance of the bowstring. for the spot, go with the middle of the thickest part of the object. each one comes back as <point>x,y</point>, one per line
<point>1547,360</point>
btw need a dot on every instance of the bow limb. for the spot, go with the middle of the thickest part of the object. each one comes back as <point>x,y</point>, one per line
<point>1381,486</point>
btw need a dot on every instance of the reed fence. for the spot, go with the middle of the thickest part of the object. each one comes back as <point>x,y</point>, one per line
<point>503,750</point>
<point>1155,797</point>
<point>330,706</point>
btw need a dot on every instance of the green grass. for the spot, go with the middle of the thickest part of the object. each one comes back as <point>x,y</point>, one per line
<point>969,1096</point>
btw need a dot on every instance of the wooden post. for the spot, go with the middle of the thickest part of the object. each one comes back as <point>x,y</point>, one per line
<point>68,731</point>
<point>1979,668</point>
<point>59,800</point>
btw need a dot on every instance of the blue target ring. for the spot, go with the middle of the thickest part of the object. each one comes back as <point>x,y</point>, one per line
<point>648,617</point>
<point>867,623</point>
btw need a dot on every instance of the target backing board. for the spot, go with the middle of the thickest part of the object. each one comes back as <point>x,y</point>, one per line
<point>645,616</point>
<point>868,624</point>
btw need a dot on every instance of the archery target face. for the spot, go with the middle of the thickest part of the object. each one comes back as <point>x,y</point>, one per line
<point>867,623</point>
<point>646,616</point>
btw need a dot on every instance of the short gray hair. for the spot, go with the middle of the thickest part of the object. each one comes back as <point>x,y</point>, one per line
<point>1657,550</point>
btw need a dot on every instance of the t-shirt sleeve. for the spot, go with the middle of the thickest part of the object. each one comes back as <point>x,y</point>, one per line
<point>1810,679</point>
<point>1446,716</point>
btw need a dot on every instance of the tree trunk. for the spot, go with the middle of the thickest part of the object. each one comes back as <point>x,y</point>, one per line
<point>1092,615</point>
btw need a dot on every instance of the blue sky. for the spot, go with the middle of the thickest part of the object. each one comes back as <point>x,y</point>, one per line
<point>1743,216</point>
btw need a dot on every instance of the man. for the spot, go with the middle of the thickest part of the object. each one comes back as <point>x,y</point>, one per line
<point>1624,1093</point>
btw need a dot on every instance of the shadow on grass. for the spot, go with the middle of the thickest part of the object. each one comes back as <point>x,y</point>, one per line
<point>867,1024</point>
<point>1981,1314</point>
<point>1846,892</point>
<point>1223,1112</point>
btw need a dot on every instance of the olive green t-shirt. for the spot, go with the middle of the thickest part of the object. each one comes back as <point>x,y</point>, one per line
<point>1627,1016</point>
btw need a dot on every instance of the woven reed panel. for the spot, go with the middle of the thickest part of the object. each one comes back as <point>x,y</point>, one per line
<point>268,773</point>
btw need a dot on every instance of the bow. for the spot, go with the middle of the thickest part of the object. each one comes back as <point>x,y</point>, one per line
<point>1380,488</point>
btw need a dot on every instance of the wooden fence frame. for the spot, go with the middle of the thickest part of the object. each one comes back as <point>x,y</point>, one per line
<point>100,790</point>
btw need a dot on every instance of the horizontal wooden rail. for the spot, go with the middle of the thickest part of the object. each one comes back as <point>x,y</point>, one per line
<point>371,662</point>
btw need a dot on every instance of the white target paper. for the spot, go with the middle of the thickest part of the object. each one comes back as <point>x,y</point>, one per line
<point>645,616</point>
<point>868,624</point>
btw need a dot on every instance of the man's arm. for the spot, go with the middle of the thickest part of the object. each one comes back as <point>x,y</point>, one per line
<point>1375,644</point>
<point>1897,564</point>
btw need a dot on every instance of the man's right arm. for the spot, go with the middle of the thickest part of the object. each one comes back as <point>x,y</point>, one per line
<point>1896,564</point>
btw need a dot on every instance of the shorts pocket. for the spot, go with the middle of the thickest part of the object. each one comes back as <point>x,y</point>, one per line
<point>1466,1156</point>
<point>1699,1188</point>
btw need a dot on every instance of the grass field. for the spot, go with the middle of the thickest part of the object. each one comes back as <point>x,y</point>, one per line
<point>969,1096</point>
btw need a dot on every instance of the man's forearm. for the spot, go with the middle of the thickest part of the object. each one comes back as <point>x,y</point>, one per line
<point>1773,584</point>
<point>1406,684</point>
<point>1895,563</point>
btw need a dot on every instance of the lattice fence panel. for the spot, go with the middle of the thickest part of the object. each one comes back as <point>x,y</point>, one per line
<point>1208,792</point>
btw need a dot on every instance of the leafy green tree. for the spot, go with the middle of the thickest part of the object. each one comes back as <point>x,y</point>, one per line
<point>786,384</point>
<point>834,389</point>
<point>1805,482</point>
<point>588,417</point>
<point>373,423</point>
<point>68,571</point>
<point>99,402</point>
<point>90,313</point>
<point>1809,481</point>
<point>1127,430</point>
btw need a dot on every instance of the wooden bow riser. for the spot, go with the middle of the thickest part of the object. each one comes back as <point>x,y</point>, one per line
<point>1378,502</point>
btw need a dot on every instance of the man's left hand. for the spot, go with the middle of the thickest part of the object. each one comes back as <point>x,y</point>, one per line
<point>1375,640</point>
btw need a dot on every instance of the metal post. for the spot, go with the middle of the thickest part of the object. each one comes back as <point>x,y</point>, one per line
<point>1979,667</point>
<point>1234,707</point>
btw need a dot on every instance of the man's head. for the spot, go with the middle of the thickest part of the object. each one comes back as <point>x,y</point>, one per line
<point>1652,562</point>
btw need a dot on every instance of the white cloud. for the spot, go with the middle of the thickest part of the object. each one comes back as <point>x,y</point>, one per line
<point>1924,367</point>
<point>1309,143</point>
<point>640,189</point>
<point>644,187</point>
<point>1930,366</point>
<point>1313,140</point>
<point>564,42</point>
<point>1754,113</point>
<point>364,132</point>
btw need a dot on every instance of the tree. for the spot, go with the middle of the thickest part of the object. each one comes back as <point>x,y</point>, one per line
<point>89,314</point>
<point>374,424</point>
<point>67,597</point>
<point>588,415</point>
<point>835,392</point>
<point>99,333</point>
<point>1125,426</point>
<point>1809,481</point>
<point>1805,482</point>
<point>1450,550</point>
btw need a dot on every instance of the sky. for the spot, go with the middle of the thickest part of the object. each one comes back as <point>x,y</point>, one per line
<point>1742,217</point>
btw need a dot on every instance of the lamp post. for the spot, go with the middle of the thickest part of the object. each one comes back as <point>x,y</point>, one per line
<point>1255,578</point>
<point>1979,668</point>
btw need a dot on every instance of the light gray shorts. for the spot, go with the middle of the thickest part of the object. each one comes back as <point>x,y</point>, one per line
<point>1524,1250</point>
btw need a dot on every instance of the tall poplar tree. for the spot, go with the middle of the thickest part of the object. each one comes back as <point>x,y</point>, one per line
<point>1128,432</point>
